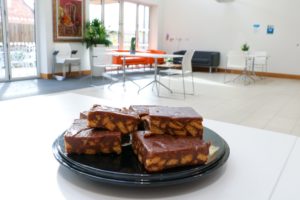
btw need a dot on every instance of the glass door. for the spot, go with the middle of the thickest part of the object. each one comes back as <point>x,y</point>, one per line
<point>21,37</point>
<point>17,40</point>
<point>3,69</point>
<point>111,20</point>
<point>130,13</point>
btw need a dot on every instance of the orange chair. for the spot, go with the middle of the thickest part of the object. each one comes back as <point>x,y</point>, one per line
<point>129,60</point>
<point>138,60</point>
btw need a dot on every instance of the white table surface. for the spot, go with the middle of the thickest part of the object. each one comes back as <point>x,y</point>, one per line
<point>288,186</point>
<point>28,169</point>
<point>147,55</point>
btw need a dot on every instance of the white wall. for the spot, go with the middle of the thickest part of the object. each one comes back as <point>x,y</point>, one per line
<point>147,2</point>
<point>45,43</point>
<point>212,26</point>
<point>46,46</point>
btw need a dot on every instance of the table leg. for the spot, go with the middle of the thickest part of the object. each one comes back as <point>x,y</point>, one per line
<point>253,71</point>
<point>155,81</point>
<point>124,78</point>
<point>123,66</point>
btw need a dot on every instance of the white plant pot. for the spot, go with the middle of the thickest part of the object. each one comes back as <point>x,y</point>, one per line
<point>97,57</point>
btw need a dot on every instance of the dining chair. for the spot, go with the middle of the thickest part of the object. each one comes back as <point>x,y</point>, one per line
<point>101,61</point>
<point>239,61</point>
<point>184,70</point>
<point>260,61</point>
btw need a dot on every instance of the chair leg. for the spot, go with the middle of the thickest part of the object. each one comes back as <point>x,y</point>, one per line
<point>64,71</point>
<point>225,74</point>
<point>193,83</point>
<point>91,76</point>
<point>158,88</point>
<point>183,85</point>
<point>169,79</point>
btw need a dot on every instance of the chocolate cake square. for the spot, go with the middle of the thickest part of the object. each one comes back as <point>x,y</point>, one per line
<point>182,121</point>
<point>113,119</point>
<point>142,111</point>
<point>160,152</point>
<point>81,139</point>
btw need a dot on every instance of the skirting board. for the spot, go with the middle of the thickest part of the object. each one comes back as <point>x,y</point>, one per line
<point>73,74</point>
<point>265,74</point>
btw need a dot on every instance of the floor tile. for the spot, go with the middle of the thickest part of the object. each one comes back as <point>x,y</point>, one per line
<point>270,103</point>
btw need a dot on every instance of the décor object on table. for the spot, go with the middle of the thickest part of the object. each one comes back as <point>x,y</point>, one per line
<point>68,20</point>
<point>245,47</point>
<point>133,45</point>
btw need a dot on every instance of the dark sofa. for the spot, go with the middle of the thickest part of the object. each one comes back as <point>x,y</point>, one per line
<point>209,59</point>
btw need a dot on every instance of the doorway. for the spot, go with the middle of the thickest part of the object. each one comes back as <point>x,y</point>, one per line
<point>17,40</point>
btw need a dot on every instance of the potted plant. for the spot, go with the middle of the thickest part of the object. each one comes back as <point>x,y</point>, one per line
<point>95,33</point>
<point>132,45</point>
<point>96,36</point>
<point>245,47</point>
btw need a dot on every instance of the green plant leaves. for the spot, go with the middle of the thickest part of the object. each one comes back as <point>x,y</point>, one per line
<point>95,33</point>
<point>245,47</point>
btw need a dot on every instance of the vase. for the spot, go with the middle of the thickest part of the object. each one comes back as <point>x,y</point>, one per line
<point>132,45</point>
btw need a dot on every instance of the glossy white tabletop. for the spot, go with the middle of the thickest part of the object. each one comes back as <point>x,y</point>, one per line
<point>289,182</point>
<point>28,169</point>
<point>147,55</point>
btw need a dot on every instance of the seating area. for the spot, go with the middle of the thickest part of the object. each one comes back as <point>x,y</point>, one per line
<point>247,65</point>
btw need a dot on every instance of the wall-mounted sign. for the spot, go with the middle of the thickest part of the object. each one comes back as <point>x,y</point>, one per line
<point>256,28</point>
<point>270,29</point>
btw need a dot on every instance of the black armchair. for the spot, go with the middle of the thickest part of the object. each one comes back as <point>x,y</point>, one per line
<point>201,59</point>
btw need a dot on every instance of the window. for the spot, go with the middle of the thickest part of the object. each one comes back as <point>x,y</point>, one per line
<point>111,20</point>
<point>143,27</point>
<point>134,23</point>
<point>95,10</point>
<point>129,23</point>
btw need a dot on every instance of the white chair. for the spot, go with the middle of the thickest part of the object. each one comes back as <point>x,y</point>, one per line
<point>63,57</point>
<point>186,69</point>
<point>260,61</point>
<point>101,59</point>
<point>239,61</point>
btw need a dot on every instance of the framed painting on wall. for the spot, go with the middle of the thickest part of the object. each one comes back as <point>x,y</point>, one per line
<point>68,20</point>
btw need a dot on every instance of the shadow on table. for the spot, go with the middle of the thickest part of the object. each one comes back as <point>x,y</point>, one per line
<point>74,186</point>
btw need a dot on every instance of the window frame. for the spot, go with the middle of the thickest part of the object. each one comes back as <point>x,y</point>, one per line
<point>137,25</point>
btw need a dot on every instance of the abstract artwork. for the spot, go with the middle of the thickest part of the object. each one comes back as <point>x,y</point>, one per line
<point>68,20</point>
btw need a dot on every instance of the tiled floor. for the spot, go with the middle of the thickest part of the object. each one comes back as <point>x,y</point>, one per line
<point>272,104</point>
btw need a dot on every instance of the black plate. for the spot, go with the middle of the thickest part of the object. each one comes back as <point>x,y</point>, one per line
<point>125,169</point>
